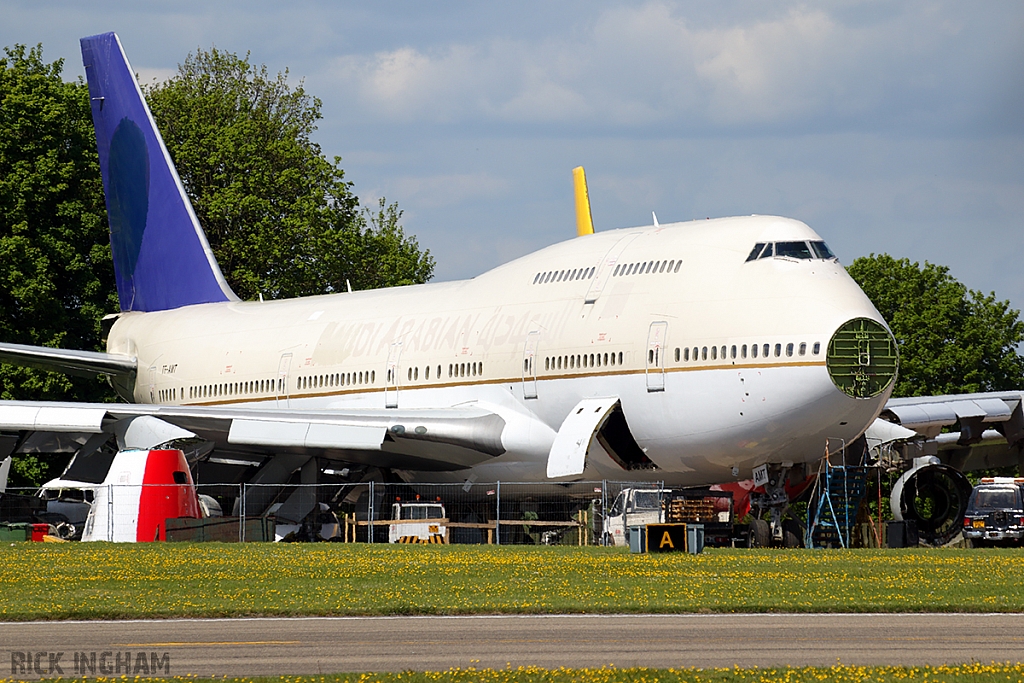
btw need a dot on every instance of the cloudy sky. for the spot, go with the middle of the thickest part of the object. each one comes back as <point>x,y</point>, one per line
<point>887,126</point>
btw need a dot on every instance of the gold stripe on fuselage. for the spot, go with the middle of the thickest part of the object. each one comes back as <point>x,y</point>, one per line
<point>482,382</point>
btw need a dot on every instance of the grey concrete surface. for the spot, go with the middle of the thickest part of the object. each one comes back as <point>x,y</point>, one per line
<point>327,645</point>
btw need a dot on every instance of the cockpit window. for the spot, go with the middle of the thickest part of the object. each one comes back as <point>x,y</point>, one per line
<point>798,250</point>
<point>821,250</point>
<point>795,250</point>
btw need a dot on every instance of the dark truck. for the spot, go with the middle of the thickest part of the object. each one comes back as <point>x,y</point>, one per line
<point>995,512</point>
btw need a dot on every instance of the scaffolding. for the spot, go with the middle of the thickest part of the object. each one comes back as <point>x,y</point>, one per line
<point>834,502</point>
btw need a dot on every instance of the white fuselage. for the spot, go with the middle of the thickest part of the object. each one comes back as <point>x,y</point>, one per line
<point>484,340</point>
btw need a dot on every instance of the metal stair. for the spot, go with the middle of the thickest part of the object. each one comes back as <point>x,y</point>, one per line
<point>832,509</point>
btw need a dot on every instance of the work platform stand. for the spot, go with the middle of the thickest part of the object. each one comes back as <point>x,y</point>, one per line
<point>834,503</point>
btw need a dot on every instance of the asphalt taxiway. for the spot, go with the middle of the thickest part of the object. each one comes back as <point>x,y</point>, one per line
<point>258,646</point>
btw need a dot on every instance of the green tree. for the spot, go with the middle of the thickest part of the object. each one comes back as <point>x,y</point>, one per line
<point>951,339</point>
<point>57,281</point>
<point>281,219</point>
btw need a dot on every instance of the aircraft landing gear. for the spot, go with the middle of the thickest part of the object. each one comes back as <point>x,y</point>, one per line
<point>775,500</point>
<point>760,534</point>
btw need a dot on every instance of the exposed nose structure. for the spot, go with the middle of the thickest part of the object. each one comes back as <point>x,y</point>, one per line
<point>862,358</point>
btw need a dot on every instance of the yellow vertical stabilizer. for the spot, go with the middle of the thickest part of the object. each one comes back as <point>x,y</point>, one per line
<point>584,220</point>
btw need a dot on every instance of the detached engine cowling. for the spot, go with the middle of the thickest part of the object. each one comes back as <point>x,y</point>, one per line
<point>934,496</point>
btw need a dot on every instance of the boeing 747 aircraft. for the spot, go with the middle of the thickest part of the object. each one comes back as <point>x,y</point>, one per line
<point>688,353</point>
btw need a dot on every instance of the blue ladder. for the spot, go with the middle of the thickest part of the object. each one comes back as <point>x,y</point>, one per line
<point>834,504</point>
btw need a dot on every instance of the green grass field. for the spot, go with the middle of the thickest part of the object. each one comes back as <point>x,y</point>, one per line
<point>968,673</point>
<point>102,581</point>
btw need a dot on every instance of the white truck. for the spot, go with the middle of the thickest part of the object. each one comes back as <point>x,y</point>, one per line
<point>642,506</point>
<point>418,522</point>
<point>632,507</point>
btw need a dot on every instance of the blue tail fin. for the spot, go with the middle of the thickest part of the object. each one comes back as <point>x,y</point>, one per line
<point>161,257</point>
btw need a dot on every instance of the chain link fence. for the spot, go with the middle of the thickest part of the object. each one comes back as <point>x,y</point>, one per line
<point>499,513</point>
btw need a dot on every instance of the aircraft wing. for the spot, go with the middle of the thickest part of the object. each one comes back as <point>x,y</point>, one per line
<point>990,427</point>
<point>428,439</point>
<point>82,363</point>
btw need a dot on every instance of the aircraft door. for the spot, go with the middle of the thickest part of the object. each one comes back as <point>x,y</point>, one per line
<point>656,351</point>
<point>283,390</point>
<point>530,365</point>
<point>605,268</point>
<point>391,376</point>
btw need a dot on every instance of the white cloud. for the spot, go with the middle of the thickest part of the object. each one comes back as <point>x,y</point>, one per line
<point>634,66</point>
<point>436,191</point>
<point>150,76</point>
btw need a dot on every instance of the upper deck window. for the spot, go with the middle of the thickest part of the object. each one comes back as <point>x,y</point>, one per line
<point>794,250</point>
<point>798,250</point>
<point>821,250</point>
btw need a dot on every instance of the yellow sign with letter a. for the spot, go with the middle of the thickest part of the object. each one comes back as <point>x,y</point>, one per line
<point>666,538</point>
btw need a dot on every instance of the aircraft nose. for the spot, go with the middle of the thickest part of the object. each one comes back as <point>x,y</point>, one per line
<point>862,358</point>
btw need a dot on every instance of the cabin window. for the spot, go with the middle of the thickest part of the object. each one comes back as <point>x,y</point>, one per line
<point>755,251</point>
<point>572,362</point>
<point>803,348</point>
<point>743,351</point>
<point>686,353</point>
<point>438,375</point>
<point>732,351</point>
<point>677,354</point>
<point>714,352</point>
<point>789,349</point>
<point>764,350</point>
<point>620,357</point>
<point>753,350</point>
<point>662,269</point>
<point>723,353</point>
<point>650,355</point>
<point>676,269</point>
<point>817,348</point>
<point>617,268</point>
<point>547,363</point>
<point>778,350</point>
<point>416,373</point>
<point>373,376</point>
<point>704,353</point>
<point>536,278</point>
